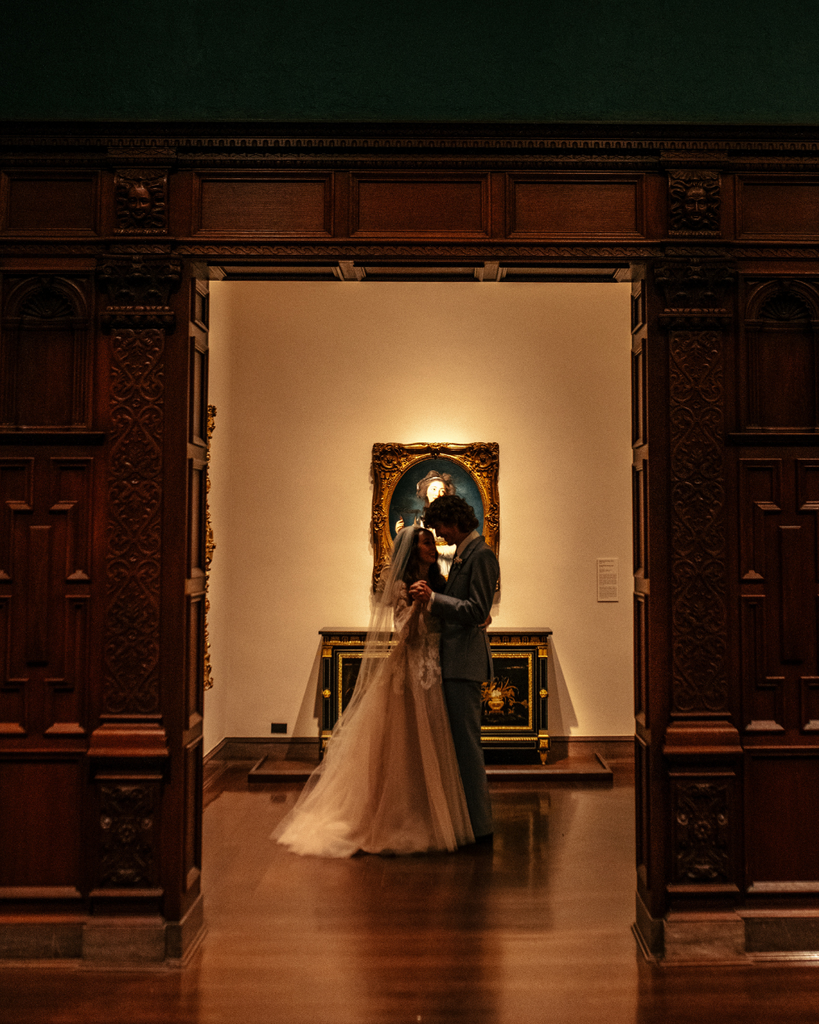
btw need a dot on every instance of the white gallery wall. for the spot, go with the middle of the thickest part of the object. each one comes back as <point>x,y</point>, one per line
<point>306,376</point>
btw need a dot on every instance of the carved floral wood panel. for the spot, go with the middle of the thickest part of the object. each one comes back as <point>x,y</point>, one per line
<point>134,538</point>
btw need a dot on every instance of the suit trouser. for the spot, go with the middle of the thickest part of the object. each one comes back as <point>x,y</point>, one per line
<point>463,703</point>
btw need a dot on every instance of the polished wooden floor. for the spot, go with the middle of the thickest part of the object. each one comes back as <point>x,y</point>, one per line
<point>536,929</point>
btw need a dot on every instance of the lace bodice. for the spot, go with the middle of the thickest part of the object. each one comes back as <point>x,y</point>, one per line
<point>418,636</point>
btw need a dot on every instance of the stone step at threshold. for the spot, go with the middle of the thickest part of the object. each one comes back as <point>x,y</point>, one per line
<point>569,769</point>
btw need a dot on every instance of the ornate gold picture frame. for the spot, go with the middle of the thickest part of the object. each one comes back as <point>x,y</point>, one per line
<point>400,472</point>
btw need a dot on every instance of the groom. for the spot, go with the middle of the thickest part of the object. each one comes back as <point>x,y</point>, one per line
<point>466,660</point>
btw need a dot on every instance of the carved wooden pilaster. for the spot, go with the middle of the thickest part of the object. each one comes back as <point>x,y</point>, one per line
<point>131,684</point>
<point>137,313</point>
<point>701,743</point>
<point>695,311</point>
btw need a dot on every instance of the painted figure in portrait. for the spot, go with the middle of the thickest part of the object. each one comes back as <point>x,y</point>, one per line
<point>430,480</point>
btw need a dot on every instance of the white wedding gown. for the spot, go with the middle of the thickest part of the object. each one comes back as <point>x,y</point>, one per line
<point>389,781</point>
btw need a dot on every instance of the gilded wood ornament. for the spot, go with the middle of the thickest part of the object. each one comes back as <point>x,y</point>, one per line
<point>210,547</point>
<point>391,461</point>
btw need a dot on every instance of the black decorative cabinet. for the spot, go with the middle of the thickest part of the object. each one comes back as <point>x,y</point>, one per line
<point>514,702</point>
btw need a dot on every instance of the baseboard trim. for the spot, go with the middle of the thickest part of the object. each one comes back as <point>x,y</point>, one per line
<point>296,748</point>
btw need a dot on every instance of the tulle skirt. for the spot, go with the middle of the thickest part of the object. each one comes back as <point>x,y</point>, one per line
<point>389,781</point>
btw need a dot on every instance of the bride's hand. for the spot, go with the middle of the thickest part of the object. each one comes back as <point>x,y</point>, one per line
<point>420,591</point>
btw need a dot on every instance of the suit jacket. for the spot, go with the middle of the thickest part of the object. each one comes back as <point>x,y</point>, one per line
<point>464,606</point>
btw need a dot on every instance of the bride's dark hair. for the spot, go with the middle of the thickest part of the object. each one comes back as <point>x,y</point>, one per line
<point>412,573</point>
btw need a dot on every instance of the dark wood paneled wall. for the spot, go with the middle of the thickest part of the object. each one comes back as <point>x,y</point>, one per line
<point>107,238</point>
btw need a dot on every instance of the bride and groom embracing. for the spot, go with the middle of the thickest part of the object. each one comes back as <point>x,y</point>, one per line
<point>403,771</point>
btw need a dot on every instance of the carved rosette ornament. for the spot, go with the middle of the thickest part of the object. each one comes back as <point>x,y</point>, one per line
<point>702,834</point>
<point>127,830</point>
<point>695,303</point>
<point>141,202</point>
<point>390,463</point>
<point>694,203</point>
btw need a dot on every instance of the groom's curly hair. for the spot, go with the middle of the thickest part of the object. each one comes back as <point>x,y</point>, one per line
<point>451,509</point>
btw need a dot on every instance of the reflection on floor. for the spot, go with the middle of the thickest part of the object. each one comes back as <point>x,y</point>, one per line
<point>536,929</point>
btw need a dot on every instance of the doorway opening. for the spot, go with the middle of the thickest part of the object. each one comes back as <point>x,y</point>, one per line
<point>307,374</point>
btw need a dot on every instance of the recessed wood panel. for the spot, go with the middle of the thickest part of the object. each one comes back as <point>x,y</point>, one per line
<point>195,658</point>
<point>16,499</point>
<point>40,811</point>
<point>809,701</point>
<point>639,482</point>
<point>71,482</point>
<point>760,495</point>
<point>197,496</point>
<point>782,379</point>
<point>68,679</point>
<point>782,807</point>
<point>12,690</point>
<point>640,654</point>
<point>42,205</point>
<point>551,207</point>
<point>778,209</point>
<point>198,377</point>
<point>260,206</point>
<point>763,691</point>
<point>390,205</point>
<point>638,394</point>
<point>193,815</point>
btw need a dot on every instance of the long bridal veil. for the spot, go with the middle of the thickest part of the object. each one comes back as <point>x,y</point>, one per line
<point>389,780</point>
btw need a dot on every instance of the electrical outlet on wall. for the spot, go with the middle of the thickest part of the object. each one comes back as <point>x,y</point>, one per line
<point>278,726</point>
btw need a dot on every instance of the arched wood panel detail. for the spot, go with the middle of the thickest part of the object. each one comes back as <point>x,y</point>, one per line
<point>44,356</point>
<point>780,363</point>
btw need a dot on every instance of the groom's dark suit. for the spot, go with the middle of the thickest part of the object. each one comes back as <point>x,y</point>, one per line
<point>466,662</point>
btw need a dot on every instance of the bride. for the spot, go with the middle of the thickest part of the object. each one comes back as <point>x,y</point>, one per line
<point>389,781</point>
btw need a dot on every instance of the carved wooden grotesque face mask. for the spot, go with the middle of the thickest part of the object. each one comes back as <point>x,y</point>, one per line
<point>139,201</point>
<point>696,204</point>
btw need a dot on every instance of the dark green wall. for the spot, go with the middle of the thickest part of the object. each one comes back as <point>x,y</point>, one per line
<point>379,60</point>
